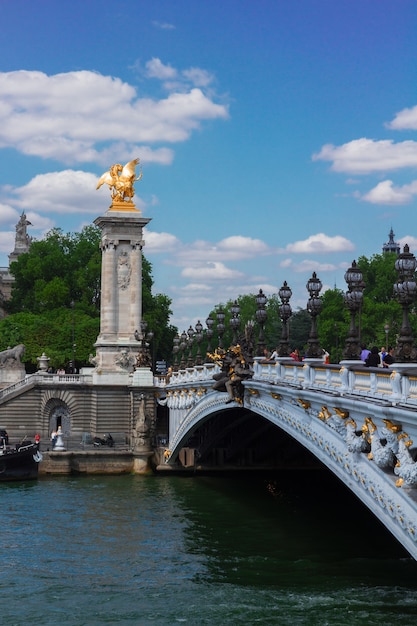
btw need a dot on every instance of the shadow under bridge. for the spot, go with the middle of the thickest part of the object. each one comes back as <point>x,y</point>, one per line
<point>297,416</point>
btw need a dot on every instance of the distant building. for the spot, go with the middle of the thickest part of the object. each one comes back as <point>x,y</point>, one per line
<point>21,245</point>
<point>391,245</point>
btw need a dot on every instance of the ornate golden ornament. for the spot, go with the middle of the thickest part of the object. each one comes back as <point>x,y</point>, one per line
<point>404,435</point>
<point>341,413</point>
<point>253,392</point>
<point>304,403</point>
<point>276,396</point>
<point>120,179</point>
<point>324,414</point>
<point>395,428</point>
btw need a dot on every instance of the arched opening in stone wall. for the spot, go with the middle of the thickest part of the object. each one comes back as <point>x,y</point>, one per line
<point>58,415</point>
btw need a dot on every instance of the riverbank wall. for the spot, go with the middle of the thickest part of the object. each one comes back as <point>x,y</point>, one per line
<point>99,462</point>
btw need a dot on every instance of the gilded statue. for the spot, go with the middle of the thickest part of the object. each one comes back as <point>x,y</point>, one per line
<point>120,180</point>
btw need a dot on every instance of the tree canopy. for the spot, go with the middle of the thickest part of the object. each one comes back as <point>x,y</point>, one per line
<point>378,321</point>
<point>55,300</point>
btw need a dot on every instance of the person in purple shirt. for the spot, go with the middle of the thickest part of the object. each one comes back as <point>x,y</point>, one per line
<point>364,352</point>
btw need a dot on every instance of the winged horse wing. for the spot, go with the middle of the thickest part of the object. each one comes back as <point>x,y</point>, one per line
<point>129,171</point>
<point>105,178</point>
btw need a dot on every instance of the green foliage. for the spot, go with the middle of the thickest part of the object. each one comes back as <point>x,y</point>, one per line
<point>379,276</point>
<point>56,295</point>
<point>300,326</point>
<point>378,322</point>
<point>333,323</point>
<point>58,270</point>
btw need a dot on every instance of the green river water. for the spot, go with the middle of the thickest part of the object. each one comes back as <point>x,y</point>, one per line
<point>286,549</point>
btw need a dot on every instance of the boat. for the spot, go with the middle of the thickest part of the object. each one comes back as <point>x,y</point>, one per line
<point>20,462</point>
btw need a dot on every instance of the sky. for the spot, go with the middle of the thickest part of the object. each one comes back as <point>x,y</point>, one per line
<point>276,138</point>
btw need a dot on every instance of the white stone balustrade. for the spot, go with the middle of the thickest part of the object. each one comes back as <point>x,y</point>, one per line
<point>392,385</point>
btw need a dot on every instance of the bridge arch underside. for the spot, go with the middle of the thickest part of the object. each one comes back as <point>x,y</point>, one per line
<point>273,431</point>
<point>239,438</point>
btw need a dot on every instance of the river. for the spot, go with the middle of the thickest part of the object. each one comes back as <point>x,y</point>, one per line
<point>286,549</point>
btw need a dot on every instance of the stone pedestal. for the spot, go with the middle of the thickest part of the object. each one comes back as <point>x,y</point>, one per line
<point>10,376</point>
<point>141,462</point>
<point>121,289</point>
<point>142,377</point>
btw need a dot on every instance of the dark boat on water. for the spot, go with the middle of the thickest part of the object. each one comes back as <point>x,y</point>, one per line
<point>20,462</point>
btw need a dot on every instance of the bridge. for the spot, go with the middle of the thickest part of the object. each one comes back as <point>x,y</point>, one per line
<point>359,422</point>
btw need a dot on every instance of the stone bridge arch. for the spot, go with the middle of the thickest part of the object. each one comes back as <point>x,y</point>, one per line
<point>322,430</point>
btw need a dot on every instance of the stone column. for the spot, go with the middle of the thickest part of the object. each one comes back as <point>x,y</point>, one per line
<point>121,293</point>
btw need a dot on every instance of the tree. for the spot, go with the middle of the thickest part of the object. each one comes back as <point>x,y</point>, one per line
<point>333,323</point>
<point>57,289</point>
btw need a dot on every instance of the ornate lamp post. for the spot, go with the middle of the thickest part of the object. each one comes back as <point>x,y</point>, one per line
<point>260,314</point>
<point>175,350</point>
<point>235,320</point>
<point>314,305</point>
<point>386,328</point>
<point>209,332</point>
<point>220,326</point>
<point>405,291</point>
<point>190,333</point>
<point>198,338</point>
<point>74,345</point>
<point>353,300</point>
<point>144,358</point>
<point>285,313</point>
<point>183,346</point>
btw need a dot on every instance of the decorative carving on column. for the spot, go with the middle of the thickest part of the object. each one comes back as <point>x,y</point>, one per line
<point>124,270</point>
<point>109,244</point>
<point>124,359</point>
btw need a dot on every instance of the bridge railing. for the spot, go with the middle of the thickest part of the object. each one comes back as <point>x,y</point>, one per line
<point>394,385</point>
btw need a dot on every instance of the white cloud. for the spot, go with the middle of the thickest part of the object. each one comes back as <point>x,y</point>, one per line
<point>79,117</point>
<point>65,192</point>
<point>163,25</point>
<point>195,287</point>
<point>309,265</point>
<point>160,242</point>
<point>404,120</point>
<point>411,241</point>
<point>211,272</point>
<point>313,266</point>
<point>8,215</point>
<point>7,240</point>
<point>198,77</point>
<point>156,69</point>
<point>363,156</point>
<point>319,244</point>
<point>386,193</point>
<point>233,248</point>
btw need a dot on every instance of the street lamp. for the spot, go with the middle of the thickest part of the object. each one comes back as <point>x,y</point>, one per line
<point>144,357</point>
<point>209,332</point>
<point>386,328</point>
<point>198,338</point>
<point>285,313</point>
<point>235,320</point>
<point>405,291</point>
<point>190,333</point>
<point>353,300</point>
<point>220,326</point>
<point>175,350</point>
<point>314,305</point>
<point>74,345</point>
<point>183,346</point>
<point>260,314</point>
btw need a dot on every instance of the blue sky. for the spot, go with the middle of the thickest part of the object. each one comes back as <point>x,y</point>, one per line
<point>276,137</point>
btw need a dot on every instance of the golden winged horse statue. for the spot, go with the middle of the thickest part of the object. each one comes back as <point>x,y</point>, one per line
<point>120,180</point>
